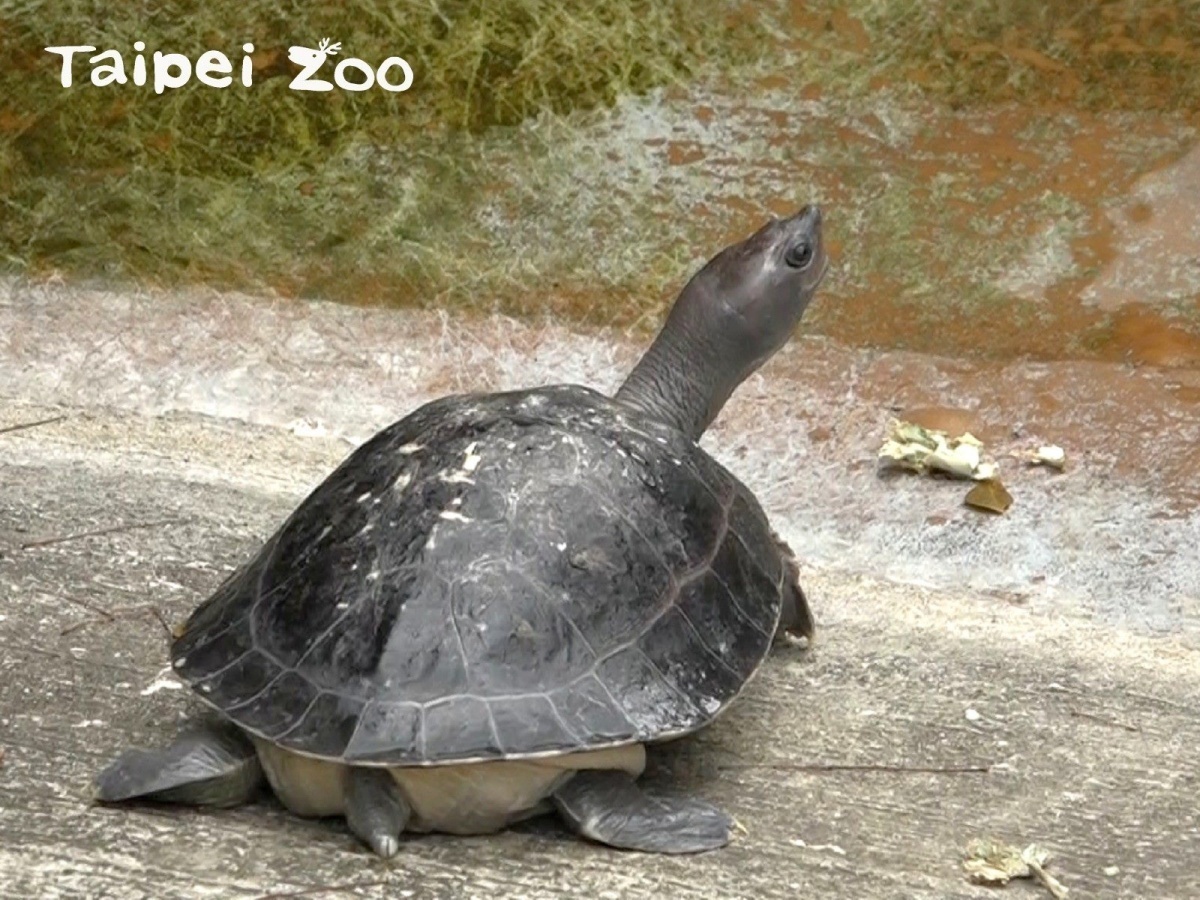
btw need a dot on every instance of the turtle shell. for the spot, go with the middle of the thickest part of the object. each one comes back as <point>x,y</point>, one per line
<point>497,576</point>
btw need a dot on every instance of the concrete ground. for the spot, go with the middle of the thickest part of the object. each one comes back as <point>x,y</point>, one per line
<point>1032,677</point>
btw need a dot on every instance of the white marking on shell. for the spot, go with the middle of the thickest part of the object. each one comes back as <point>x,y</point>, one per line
<point>471,462</point>
<point>343,604</point>
<point>324,532</point>
<point>363,498</point>
<point>410,449</point>
<point>453,516</point>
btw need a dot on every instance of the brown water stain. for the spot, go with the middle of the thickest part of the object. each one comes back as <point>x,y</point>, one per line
<point>682,153</point>
<point>1148,339</point>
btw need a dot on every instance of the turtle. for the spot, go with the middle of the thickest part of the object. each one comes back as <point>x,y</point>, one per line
<point>492,607</point>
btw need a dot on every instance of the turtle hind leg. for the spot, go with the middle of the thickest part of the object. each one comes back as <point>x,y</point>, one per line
<point>212,765</point>
<point>609,807</point>
<point>375,809</point>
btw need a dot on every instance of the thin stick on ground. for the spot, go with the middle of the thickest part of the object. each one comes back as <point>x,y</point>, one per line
<point>99,532</point>
<point>127,612</point>
<point>90,607</point>
<point>21,426</point>
<point>1103,720</point>
<point>868,767</point>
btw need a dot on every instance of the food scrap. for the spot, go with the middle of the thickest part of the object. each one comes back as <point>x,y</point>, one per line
<point>1051,456</point>
<point>909,446</point>
<point>994,863</point>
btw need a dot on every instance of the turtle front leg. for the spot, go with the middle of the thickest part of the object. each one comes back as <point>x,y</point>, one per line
<point>206,765</point>
<point>609,807</point>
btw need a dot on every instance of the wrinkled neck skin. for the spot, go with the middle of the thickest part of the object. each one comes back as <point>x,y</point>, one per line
<point>684,379</point>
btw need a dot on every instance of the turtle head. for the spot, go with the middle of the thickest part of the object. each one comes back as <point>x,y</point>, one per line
<point>750,296</point>
<point>732,316</point>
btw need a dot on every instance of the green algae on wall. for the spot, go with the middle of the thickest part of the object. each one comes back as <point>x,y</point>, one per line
<point>245,185</point>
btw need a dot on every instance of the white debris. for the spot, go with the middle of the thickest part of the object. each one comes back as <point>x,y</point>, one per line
<point>453,516</point>
<point>1051,456</point>
<point>410,449</point>
<point>832,848</point>
<point>163,681</point>
<point>308,428</point>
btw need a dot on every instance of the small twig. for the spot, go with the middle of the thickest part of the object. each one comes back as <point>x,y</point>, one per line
<point>90,607</point>
<point>127,612</point>
<point>877,767</point>
<point>323,889</point>
<point>1165,702</point>
<point>23,425</point>
<point>162,620</point>
<point>99,532</point>
<point>1103,720</point>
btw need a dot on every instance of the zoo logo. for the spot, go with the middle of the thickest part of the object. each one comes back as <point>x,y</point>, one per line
<point>212,68</point>
<point>313,60</point>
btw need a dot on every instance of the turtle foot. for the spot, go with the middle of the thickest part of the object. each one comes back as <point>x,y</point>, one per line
<point>610,808</point>
<point>375,810</point>
<point>211,765</point>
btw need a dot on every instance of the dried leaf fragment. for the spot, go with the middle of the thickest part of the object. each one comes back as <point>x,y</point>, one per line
<point>989,496</point>
<point>994,863</point>
<point>910,446</point>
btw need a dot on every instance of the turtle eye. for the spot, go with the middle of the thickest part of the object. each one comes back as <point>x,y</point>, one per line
<point>799,255</point>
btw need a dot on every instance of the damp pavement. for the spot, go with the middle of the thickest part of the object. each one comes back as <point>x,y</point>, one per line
<point>1031,676</point>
